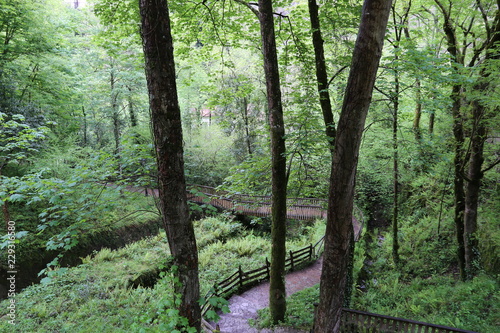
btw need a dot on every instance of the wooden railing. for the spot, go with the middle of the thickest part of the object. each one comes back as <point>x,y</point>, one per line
<point>352,321</point>
<point>361,322</point>
<point>242,280</point>
<point>256,205</point>
<point>307,209</point>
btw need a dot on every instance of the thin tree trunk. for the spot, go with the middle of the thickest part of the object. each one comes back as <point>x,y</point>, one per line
<point>458,181</point>
<point>247,126</point>
<point>339,230</point>
<point>456,61</point>
<point>85,139</point>
<point>400,23</point>
<point>167,132</point>
<point>418,113</point>
<point>432,117</point>
<point>321,74</point>
<point>131,112</point>
<point>277,294</point>
<point>114,109</point>
<point>395,208</point>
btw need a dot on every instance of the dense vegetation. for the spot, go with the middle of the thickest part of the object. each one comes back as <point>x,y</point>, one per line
<point>75,132</point>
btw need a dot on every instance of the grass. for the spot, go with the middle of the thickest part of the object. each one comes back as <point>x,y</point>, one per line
<point>425,288</point>
<point>96,296</point>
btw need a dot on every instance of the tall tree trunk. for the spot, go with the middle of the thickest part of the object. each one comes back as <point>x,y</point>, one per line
<point>480,117</point>
<point>248,139</point>
<point>395,203</point>
<point>131,112</point>
<point>400,27</point>
<point>326,108</point>
<point>418,113</point>
<point>115,115</point>
<point>167,132</point>
<point>432,117</point>
<point>338,237</point>
<point>277,294</point>
<point>321,74</point>
<point>473,185</point>
<point>85,129</point>
<point>456,61</point>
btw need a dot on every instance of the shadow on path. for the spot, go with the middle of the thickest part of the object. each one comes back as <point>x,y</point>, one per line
<point>244,306</point>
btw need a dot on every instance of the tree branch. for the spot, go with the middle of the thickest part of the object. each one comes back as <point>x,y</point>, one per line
<point>335,75</point>
<point>491,166</point>
<point>249,5</point>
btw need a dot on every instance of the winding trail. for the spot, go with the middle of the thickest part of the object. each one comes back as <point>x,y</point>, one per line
<point>244,306</point>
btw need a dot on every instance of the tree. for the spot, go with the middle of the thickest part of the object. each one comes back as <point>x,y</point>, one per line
<point>481,115</point>
<point>321,73</point>
<point>277,292</point>
<point>339,231</point>
<point>167,132</point>
<point>18,140</point>
<point>481,40</point>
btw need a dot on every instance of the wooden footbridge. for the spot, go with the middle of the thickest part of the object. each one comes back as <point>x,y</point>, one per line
<point>306,209</point>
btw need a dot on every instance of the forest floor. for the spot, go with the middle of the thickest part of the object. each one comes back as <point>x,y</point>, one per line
<point>244,306</point>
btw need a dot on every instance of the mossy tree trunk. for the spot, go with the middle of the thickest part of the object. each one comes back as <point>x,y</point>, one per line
<point>167,133</point>
<point>277,294</point>
<point>481,116</point>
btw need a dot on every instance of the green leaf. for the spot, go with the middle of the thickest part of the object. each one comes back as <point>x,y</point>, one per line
<point>46,280</point>
<point>16,197</point>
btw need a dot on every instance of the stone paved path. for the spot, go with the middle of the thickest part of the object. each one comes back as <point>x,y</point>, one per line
<point>244,306</point>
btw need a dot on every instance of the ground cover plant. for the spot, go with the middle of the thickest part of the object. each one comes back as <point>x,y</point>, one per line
<point>56,217</point>
<point>425,288</point>
<point>103,294</point>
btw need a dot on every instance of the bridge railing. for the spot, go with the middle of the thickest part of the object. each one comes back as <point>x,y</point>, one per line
<point>257,205</point>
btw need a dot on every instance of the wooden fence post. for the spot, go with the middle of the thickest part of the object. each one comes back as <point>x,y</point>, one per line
<point>292,267</point>
<point>240,275</point>
<point>268,264</point>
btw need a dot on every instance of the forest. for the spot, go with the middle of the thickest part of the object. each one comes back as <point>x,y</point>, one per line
<point>386,112</point>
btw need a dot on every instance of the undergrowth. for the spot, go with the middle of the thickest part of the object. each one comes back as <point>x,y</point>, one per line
<point>426,287</point>
<point>97,296</point>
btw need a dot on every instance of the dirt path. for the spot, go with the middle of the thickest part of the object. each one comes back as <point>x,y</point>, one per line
<point>244,306</point>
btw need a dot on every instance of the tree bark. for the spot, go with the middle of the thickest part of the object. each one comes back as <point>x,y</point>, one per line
<point>131,112</point>
<point>115,115</point>
<point>456,61</point>
<point>366,57</point>
<point>277,294</point>
<point>418,113</point>
<point>85,140</point>
<point>248,138</point>
<point>395,202</point>
<point>480,117</point>
<point>474,175</point>
<point>321,74</point>
<point>432,117</point>
<point>167,132</point>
